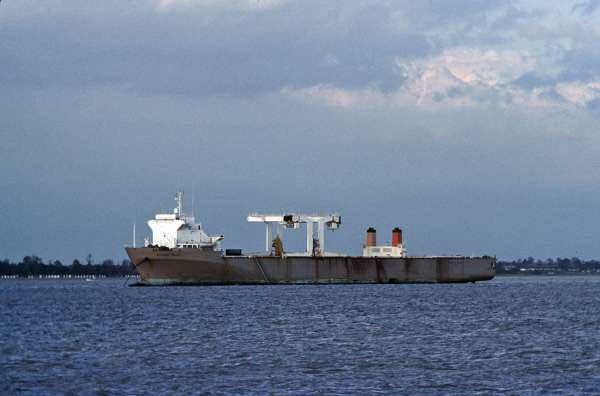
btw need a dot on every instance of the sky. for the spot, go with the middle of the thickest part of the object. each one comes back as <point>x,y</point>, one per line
<point>472,125</point>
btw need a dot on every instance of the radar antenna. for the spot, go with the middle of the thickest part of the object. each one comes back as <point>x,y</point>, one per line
<point>193,199</point>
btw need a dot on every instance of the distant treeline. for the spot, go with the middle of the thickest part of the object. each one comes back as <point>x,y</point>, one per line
<point>573,264</point>
<point>34,266</point>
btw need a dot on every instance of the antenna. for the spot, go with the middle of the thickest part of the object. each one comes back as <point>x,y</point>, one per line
<point>193,198</point>
<point>179,200</point>
<point>134,233</point>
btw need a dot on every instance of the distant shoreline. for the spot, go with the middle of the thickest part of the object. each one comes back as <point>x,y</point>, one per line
<point>35,268</point>
<point>73,278</point>
<point>136,276</point>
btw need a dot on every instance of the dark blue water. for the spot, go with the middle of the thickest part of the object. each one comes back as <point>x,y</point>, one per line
<point>510,335</point>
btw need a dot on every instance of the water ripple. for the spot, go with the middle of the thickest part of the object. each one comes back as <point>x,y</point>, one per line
<point>510,335</point>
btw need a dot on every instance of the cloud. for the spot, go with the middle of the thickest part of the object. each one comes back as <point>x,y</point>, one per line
<point>461,78</point>
<point>238,4</point>
<point>587,7</point>
<point>456,77</point>
<point>351,55</point>
<point>578,92</point>
<point>329,95</point>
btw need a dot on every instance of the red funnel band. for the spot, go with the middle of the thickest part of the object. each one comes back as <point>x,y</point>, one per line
<point>396,236</point>
<point>371,237</point>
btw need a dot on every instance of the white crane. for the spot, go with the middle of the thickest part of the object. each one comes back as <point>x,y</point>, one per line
<point>293,221</point>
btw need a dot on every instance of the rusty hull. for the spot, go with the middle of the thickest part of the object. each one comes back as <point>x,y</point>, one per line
<point>205,267</point>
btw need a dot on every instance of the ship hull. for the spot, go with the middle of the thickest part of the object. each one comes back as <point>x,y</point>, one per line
<point>202,267</point>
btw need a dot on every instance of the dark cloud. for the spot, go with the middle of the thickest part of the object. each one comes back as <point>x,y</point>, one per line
<point>532,80</point>
<point>586,7</point>
<point>451,93</point>
<point>232,53</point>
<point>594,105</point>
<point>509,18</point>
<point>551,94</point>
<point>213,51</point>
<point>581,63</point>
<point>455,92</point>
<point>227,51</point>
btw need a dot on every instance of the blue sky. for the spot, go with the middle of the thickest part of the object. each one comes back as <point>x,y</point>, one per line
<point>473,125</point>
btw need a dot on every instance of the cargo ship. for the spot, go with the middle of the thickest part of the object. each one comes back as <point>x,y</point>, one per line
<point>180,252</point>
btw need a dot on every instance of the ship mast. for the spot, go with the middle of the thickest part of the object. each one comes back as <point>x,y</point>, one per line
<point>179,200</point>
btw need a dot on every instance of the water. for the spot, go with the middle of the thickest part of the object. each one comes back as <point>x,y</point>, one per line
<point>510,335</point>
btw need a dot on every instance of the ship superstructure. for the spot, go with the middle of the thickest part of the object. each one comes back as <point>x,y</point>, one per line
<point>182,253</point>
<point>395,249</point>
<point>178,230</point>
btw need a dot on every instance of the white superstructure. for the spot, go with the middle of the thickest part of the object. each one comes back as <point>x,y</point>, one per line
<point>384,251</point>
<point>395,249</point>
<point>178,230</point>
